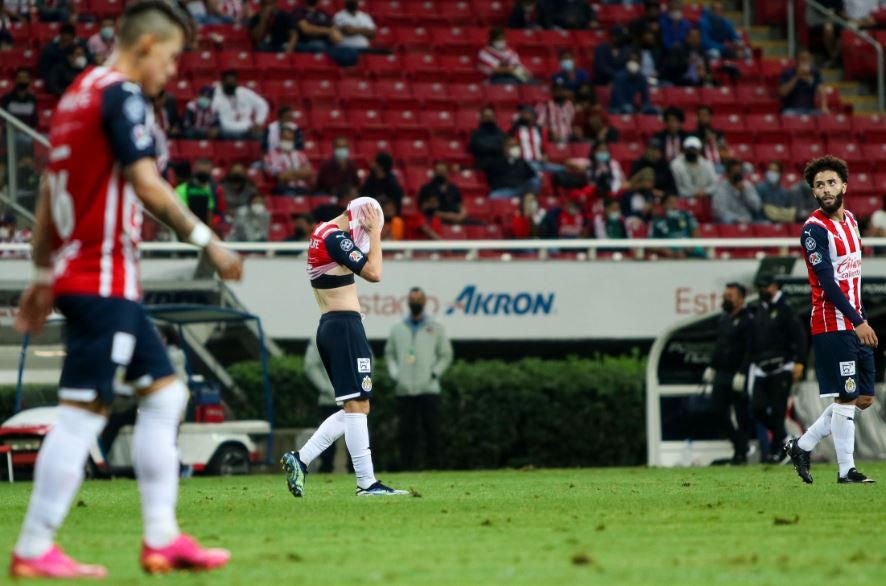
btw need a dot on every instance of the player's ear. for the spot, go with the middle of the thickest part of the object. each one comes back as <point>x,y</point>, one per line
<point>145,44</point>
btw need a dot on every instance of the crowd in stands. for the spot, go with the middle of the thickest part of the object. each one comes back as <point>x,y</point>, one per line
<point>555,132</point>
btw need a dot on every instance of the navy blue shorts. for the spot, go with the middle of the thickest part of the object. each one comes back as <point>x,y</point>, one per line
<point>110,342</point>
<point>346,354</point>
<point>844,366</point>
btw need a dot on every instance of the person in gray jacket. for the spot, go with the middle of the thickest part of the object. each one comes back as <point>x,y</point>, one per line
<point>694,175</point>
<point>417,354</point>
<point>736,200</point>
<point>326,405</point>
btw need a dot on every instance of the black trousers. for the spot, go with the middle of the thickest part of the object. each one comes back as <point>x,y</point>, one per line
<point>722,399</point>
<point>770,405</point>
<point>419,420</point>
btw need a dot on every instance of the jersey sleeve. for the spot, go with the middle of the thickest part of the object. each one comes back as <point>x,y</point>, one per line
<point>343,251</point>
<point>814,240</point>
<point>125,119</point>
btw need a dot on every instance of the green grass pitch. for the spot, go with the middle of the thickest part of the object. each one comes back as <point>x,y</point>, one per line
<point>753,525</point>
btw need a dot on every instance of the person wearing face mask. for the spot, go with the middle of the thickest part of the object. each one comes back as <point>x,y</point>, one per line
<point>200,120</point>
<point>719,37</point>
<point>252,222</point>
<point>653,158</point>
<point>357,27</point>
<point>735,199</point>
<point>694,175</point>
<point>710,136</point>
<point>499,63</point>
<point>285,115</point>
<point>21,101</point>
<point>674,27</point>
<point>289,166</point>
<point>338,171</point>
<point>271,29</point>
<point>487,139</point>
<point>778,349</point>
<point>610,222</point>
<point>670,222</point>
<point>557,115</point>
<point>101,44</point>
<point>417,354</point>
<point>242,113</point>
<point>630,90</point>
<point>236,187</point>
<point>199,195</point>
<point>63,74</point>
<point>573,14</point>
<point>56,51</point>
<point>509,175</point>
<point>799,86</point>
<point>317,33</point>
<point>725,379</point>
<point>530,14</point>
<point>569,75</point>
<point>441,197</point>
<point>604,168</point>
<point>774,197</point>
<point>532,140</point>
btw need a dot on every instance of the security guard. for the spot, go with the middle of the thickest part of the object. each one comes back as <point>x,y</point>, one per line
<point>727,373</point>
<point>779,348</point>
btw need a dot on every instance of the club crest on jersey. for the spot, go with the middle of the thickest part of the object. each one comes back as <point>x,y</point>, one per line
<point>815,258</point>
<point>134,109</point>
<point>346,244</point>
<point>366,385</point>
<point>810,243</point>
<point>849,386</point>
<point>356,256</point>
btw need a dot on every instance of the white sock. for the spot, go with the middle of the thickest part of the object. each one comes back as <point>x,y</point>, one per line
<point>357,440</point>
<point>817,431</point>
<point>326,435</point>
<point>843,429</point>
<point>156,462</point>
<point>57,477</point>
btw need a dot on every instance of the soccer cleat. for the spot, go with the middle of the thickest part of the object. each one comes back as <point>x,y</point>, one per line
<point>799,458</point>
<point>296,473</point>
<point>53,564</point>
<point>182,554</point>
<point>854,477</point>
<point>379,489</point>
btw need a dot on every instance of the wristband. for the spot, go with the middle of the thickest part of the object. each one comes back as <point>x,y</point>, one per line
<point>201,235</point>
<point>42,276</point>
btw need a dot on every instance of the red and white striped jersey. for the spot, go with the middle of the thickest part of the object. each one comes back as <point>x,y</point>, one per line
<point>332,247</point>
<point>533,142</point>
<point>833,259</point>
<point>556,118</point>
<point>101,125</point>
<point>491,59</point>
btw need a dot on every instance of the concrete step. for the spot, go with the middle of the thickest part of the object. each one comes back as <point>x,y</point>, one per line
<point>764,33</point>
<point>831,75</point>
<point>773,47</point>
<point>862,103</point>
<point>851,88</point>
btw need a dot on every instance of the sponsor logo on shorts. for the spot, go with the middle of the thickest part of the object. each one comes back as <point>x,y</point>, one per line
<point>850,385</point>
<point>815,258</point>
<point>810,243</point>
<point>367,384</point>
<point>346,244</point>
<point>363,365</point>
<point>847,368</point>
<point>356,256</point>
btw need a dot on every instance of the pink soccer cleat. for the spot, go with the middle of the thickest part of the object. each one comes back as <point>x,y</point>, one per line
<point>53,564</point>
<point>182,554</point>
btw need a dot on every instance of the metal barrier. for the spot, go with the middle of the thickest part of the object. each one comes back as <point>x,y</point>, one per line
<point>22,142</point>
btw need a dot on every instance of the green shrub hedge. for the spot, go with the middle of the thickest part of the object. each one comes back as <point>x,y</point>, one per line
<point>32,396</point>
<point>572,412</point>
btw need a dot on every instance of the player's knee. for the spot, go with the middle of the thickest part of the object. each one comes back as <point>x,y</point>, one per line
<point>863,402</point>
<point>357,406</point>
<point>167,401</point>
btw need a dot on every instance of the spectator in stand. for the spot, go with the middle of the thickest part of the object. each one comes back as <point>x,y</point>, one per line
<point>775,199</point>
<point>556,116</point>
<point>529,14</point>
<point>21,101</point>
<point>610,57</point>
<point>593,125</point>
<point>208,12</point>
<point>166,114</point>
<point>233,10</point>
<point>237,187</point>
<point>673,136</point>
<point>710,136</point>
<point>302,226</point>
<point>343,196</point>
<point>199,194</point>
<point>735,200</point>
<point>674,27</point>
<point>565,222</point>
<point>651,56</point>
<point>672,222</point>
<point>271,29</point>
<point>718,36</point>
<point>605,170</point>
<point>572,14</point>
<point>694,175</point>
<point>499,63</point>
<point>629,85</point>
<point>241,112</point>
<point>289,166</point>
<point>200,120</point>
<point>357,27</point>
<point>337,172</point>
<point>64,73</point>
<point>802,200</point>
<point>610,222</point>
<point>641,197</point>
<point>525,222</point>
<point>859,12</point>
<point>532,140</point>
<point>487,139</point>
<point>570,76</point>
<point>382,183</point>
<point>52,10</point>
<point>829,32</point>
<point>440,198</point>
<point>394,227</point>
<point>252,222</point>
<point>6,38</point>
<point>14,11</point>
<point>317,34</point>
<point>654,159</point>
<point>798,87</point>
<point>101,44</point>
<point>509,175</point>
<point>285,115</point>
<point>687,64</point>
<point>649,20</point>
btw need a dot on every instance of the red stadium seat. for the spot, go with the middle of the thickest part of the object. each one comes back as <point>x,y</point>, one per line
<point>413,37</point>
<point>765,153</point>
<point>395,94</point>
<point>804,151</point>
<point>491,13</point>
<point>717,97</point>
<point>406,123</point>
<point>456,12</point>
<point>329,119</point>
<point>767,128</point>
<point>195,149</point>
<point>534,94</point>
<point>503,96</point>
<point>686,98</point>
<point>835,126</point>
<point>102,8</point>
<point>864,182</point>
<point>460,68</point>
<point>460,37</point>
<point>439,122</point>
<point>433,94</point>
<point>367,119</point>
<point>770,231</point>
<point>756,99</point>
<point>800,127</point>
<point>359,94</point>
<point>274,65</point>
<point>502,210</point>
<point>416,176</point>
<point>469,95</point>
<point>852,153</point>
<point>455,232</point>
<point>241,61</point>
<point>319,91</point>
<point>199,62</point>
<point>648,125</point>
<point>383,66</point>
<point>314,66</point>
<point>863,207</point>
<point>15,58</point>
<point>875,153</point>
<point>478,208</point>
<point>413,152</point>
<point>558,152</point>
<point>238,151</point>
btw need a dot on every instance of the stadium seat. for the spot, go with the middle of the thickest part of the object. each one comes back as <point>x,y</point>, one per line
<point>364,121</point>
<point>864,206</point>
<point>241,61</point>
<point>193,149</point>
<point>469,95</point>
<point>412,152</point>
<point>197,62</point>
<point>237,151</point>
<point>452,232</point>
<point>707,230</point>
<point>770,231</point>
<point>383,66</point>
<point>314,66</point>
<point>415,177</point>
<point>852,153</point>
<point>478,208</point>
<point>274,65</point>
<point>756,99</point>
<point>320,92</point>
<point>433,95</point>
<point>686,98</point>
<point>766,128</point>
<point>800,127</point>
<point>717,98</point>
<point>359,94</point>
<point>461,37</point>
<point>439,122</point>
<point>491,13</point>
<point>329,119</point>
<point>803,151</point>
<point>413,37</point>
<point>835,126</point>
<point>396,94</point>
<point>504,96</point>
<point>876,154</point>
<point>406,123</point>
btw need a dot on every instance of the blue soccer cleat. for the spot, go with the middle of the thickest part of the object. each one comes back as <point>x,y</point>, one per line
<point>379,489</point>
<point>296,473</point>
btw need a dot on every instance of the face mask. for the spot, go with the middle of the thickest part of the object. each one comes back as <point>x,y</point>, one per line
<point>676,14</point>
<point>727,306</point>
<point>237,179</point>
<point>22,86</point>
<point>673,213</point>
<point>201,176</point>
<point>203,102</point>
<point>601,157</point>
<point>257,208</point>
<point>311,3</point>
<point>736,178</point>
<point>440,179</point>
<point>633,67</point>
<point>773,177</point>
<point>341,153</point>
<point>351,6</point>
<point>489,124</point>
<point>614,216</point>
<point>416,309</point>
<point>80,62</point>
<point>286,145</point>
<point>499,45</point>
<point>4,233</point>
<point>691,156</point>
<point>107,33</point>
<point>514,152</point>
<point>567,65</point>
<point>229,88</point>
<point>765,296</point>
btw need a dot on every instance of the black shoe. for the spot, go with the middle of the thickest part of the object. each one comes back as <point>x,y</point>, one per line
<point>854,477</point>
<point>738,460</point>
<point>799,458</point>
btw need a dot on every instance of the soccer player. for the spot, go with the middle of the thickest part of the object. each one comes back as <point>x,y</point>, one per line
<point>348,244</point>
<point>101,172</point>
<point>841,336</point>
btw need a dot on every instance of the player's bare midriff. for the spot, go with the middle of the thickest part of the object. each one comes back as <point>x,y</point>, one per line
<point>340,298</point>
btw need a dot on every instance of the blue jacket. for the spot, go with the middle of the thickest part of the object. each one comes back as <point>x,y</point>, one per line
<point>625,89</point>
<point>673,33</point>
<point>716,31</point>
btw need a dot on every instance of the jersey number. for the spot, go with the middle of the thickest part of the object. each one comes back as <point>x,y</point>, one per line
<point>62,204</point>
